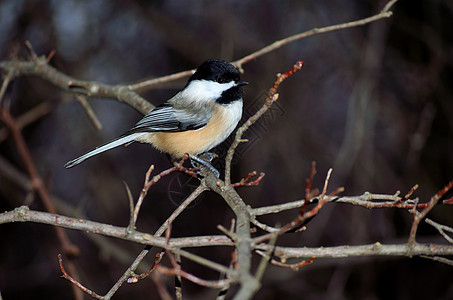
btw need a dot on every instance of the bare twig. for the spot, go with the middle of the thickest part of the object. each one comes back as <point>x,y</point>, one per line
<point>23,214</point>
<point>323,199</point>
<point>385,13</point>
<point>31,51</point>
<point>271,98</point>
<point>244,245</point>
<point>197,192</point>
<point>376,249</point>
<point>38,185</point>
<point>130,271</point>
<point>29,117</point>
<point>144,85</point>
<point>249,284</point>
<point>178,280</point>
<point>228,233</point>
<point>127,93</point>
<point>265,259</point>
<point>157,260</point>
<point>93,89</point>
<point>216,284</point>
<point>149,183</point>
<point>245,181</point>
<point>439,259</point>
<point>441,228</point>
<point>294,267</point>
<point>163,293</point>
<point>75,282</point>
<point>6,80</point>
<point>142,196</point>
<point>308,192</point>
<point>408,195</point>
<point>448,201</point>
<point>36,180</point>
<point>263,226</point>
<point>90,112</point>
<point>367,200</point>
<point>131,205</point>
<point>418,216</point>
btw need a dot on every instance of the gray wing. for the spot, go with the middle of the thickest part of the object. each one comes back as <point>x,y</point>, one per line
<point>166,117</point>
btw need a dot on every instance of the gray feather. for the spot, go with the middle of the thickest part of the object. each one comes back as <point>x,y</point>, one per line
<point>167,117</point>
<point>112,144</point>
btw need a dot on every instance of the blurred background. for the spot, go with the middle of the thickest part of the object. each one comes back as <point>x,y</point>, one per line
<point>374,103</point>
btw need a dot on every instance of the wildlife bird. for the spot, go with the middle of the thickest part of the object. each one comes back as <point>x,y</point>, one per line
<point>198,118</point>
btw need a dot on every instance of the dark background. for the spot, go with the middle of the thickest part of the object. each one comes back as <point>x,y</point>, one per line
<point>373,102</point>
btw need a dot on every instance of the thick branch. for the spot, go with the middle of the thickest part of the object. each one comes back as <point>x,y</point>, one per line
<point>249,284</point>
<point>362,250</point>
<point>23,214</point>
<point>41,68</point>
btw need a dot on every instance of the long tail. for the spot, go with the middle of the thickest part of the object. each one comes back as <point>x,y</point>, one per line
<point>112,144</point>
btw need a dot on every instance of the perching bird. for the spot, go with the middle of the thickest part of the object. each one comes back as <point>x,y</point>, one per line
<point>195,120</point>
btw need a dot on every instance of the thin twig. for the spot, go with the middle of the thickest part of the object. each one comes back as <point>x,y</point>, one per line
<point>243,231</point>
<point>31,51</point>
<point>294,267</point>
<point>144,192</point>
<point>263,226</point>
<point>441,228</point>
<point>265,259</point>
<point>418,216</point>
<point>385,13</point>
<point>248,283</point>
<point>197,192</point>
<point>439,259</point>
<point>216,284</point>
<point>271,98</point>
<point>6,80</point>
<point>309,183</point>
<point>145,85</point>
<point>150,182</point>
<point>90,112</point>
<point>376,249</point>
<point>130,271</point>
<point>23,214</point>
<point>131,205</point>
<point>157,260</point>
<point>90,89</point>
<point>323,199</point>
<point>367,200</point>
<point>228,233</point>
<point>75,282</point>
<point>408,195</point>
<point>245,181</point>
<point>178,280</point>
<point>128,93</point>
<point>162,290</point>
<point>28,117</point>
<point>68,247</point>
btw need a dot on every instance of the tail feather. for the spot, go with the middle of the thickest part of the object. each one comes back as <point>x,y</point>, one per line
<point>112,144</point>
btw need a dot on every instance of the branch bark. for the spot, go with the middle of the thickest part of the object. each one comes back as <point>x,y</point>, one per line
<point>24,214</point>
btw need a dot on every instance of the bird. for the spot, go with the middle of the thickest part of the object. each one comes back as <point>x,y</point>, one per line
<point>198,118</point>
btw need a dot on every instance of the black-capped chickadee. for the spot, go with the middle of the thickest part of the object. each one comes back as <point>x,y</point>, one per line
<point>195,120</point>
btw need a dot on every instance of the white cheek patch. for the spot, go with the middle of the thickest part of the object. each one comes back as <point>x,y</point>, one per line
<point>205,90</point>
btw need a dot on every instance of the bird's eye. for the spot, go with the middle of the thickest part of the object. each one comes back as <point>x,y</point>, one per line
<point>221,80</point>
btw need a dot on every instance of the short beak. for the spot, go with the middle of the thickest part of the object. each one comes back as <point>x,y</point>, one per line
<point>241,82</point>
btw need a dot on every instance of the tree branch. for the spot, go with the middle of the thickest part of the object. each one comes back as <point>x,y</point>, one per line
<point>41,68</point>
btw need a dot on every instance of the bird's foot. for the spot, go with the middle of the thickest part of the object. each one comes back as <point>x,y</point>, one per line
<point>204,162</point>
